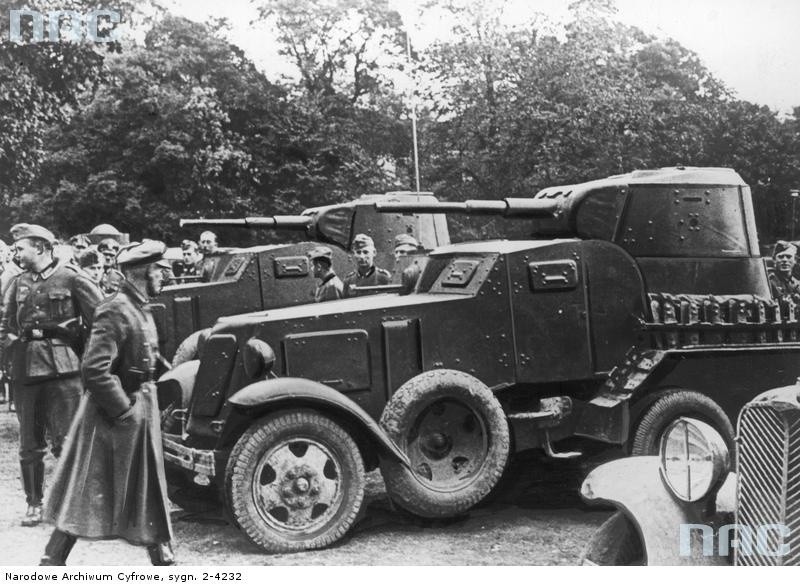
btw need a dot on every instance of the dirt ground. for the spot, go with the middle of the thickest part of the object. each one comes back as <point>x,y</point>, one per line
<point>536,518</point>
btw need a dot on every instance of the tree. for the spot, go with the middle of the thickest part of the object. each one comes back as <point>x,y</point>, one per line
<point>42,83</point>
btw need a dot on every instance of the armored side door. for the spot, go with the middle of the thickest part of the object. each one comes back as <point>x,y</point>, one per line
<point>549,307</point>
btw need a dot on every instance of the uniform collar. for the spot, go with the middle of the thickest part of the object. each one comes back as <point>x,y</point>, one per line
<point>133,293</point>
<point>367,274</point>
<point>47,272</point>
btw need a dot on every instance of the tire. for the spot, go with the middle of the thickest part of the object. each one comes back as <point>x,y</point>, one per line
<point>189,349</point>
<point>455,433</point>
<point>670,406</point>
<point>615,543</point>
<point>294,481</point>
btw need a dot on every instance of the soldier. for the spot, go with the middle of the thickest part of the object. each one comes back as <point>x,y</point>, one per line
<point>209,249</point>
<point>208,243</point>
<point>109,247</point>
<point>366,273</point>
<point>330,286</point>
<point>781,281</point>
<point>193,265</point>
<point>79,243</point>
<point>91,262</point>
<point>405,244</point>
<point>46,311</point>
<point>110,482</point>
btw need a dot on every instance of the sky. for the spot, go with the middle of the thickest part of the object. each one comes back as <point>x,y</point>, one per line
<point>753,47</point>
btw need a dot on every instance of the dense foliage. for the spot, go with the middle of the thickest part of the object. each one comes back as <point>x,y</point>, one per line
<point>183,124</point>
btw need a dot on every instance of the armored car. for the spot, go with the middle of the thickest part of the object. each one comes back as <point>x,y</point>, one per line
<point>639,299</point>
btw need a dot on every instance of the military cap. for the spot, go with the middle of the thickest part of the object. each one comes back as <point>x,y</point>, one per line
<point>189,245</point>
<point>405,240</point>
<point>105,230</point>
<point>320,252</point>
<point>782,245</point>
<point>20,231</point>
<point>145,252</point>
<point>362,241</point>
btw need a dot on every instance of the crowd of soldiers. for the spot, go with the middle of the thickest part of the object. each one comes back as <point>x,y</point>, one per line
<point>76,318</point>
<point>73,320</point>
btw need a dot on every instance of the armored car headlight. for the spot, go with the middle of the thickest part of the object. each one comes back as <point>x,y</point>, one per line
<point>693,458</point>
<point>258,358</point>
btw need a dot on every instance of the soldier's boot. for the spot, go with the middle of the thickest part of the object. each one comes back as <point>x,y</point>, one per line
<point>33,483</point>
<point>57,549</point>
<point>161,554</point>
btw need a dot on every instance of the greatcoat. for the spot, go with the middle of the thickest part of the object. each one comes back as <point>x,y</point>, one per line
<point>110,481</point>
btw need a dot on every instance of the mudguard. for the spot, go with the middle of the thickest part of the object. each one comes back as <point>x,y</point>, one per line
<point>258,397</point>
<point>634,486</point>
<point>175,386</point>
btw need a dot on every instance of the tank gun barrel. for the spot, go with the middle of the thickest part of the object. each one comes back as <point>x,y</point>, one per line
<point>509,207</point>
<point>273,222</point>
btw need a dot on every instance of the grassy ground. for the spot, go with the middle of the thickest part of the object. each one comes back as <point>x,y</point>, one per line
<point>537,518</point>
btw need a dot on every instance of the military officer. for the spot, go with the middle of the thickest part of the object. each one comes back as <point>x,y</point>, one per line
<point>192,260</point>
<point>210,250</point>
<point>110,482</point>
<point>46,310</point>
<point>366,273</point>
<point>330,286</point>
<point>781,281</point>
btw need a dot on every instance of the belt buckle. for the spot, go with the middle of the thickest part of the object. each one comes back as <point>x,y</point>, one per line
<point>37,334</point>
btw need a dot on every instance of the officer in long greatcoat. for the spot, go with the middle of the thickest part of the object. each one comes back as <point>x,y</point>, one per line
<point>46,312</point>
<point>110,482</point>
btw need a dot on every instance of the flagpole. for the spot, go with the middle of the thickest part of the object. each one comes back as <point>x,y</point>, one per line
<point>413,115</point>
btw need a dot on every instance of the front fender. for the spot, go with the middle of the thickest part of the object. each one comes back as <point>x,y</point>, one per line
<point>257,398</point>
<point>175,386</point>
<point>634,486</point>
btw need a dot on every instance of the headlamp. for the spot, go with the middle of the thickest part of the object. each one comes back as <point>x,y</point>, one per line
<point>694,458</point>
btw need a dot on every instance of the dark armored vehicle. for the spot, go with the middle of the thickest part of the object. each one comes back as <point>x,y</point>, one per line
<point>641,298</point>
<point>279,275</point>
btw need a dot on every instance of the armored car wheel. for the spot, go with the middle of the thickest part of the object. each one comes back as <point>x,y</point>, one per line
<point>456,436</point>
<point>671,405</point>
<point>295,480</point>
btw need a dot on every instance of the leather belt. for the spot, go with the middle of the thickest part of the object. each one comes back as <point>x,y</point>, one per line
<point>29,334</point>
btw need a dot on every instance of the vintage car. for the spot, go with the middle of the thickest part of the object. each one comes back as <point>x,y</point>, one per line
<point>597,331</point>
<point>691,505</point>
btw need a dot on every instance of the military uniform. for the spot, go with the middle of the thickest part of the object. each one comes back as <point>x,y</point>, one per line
<point>780,286</point>
<point>43,318</point>
<point>374,276</point>
<point>110,482</point>
<point>330,289</point>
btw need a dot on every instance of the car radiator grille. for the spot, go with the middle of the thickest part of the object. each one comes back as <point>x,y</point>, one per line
<point>768,486</point>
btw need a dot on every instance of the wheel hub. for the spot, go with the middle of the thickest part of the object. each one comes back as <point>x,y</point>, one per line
<point>300,487</point>
<point>447,444</point>
<point>297,485</point>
